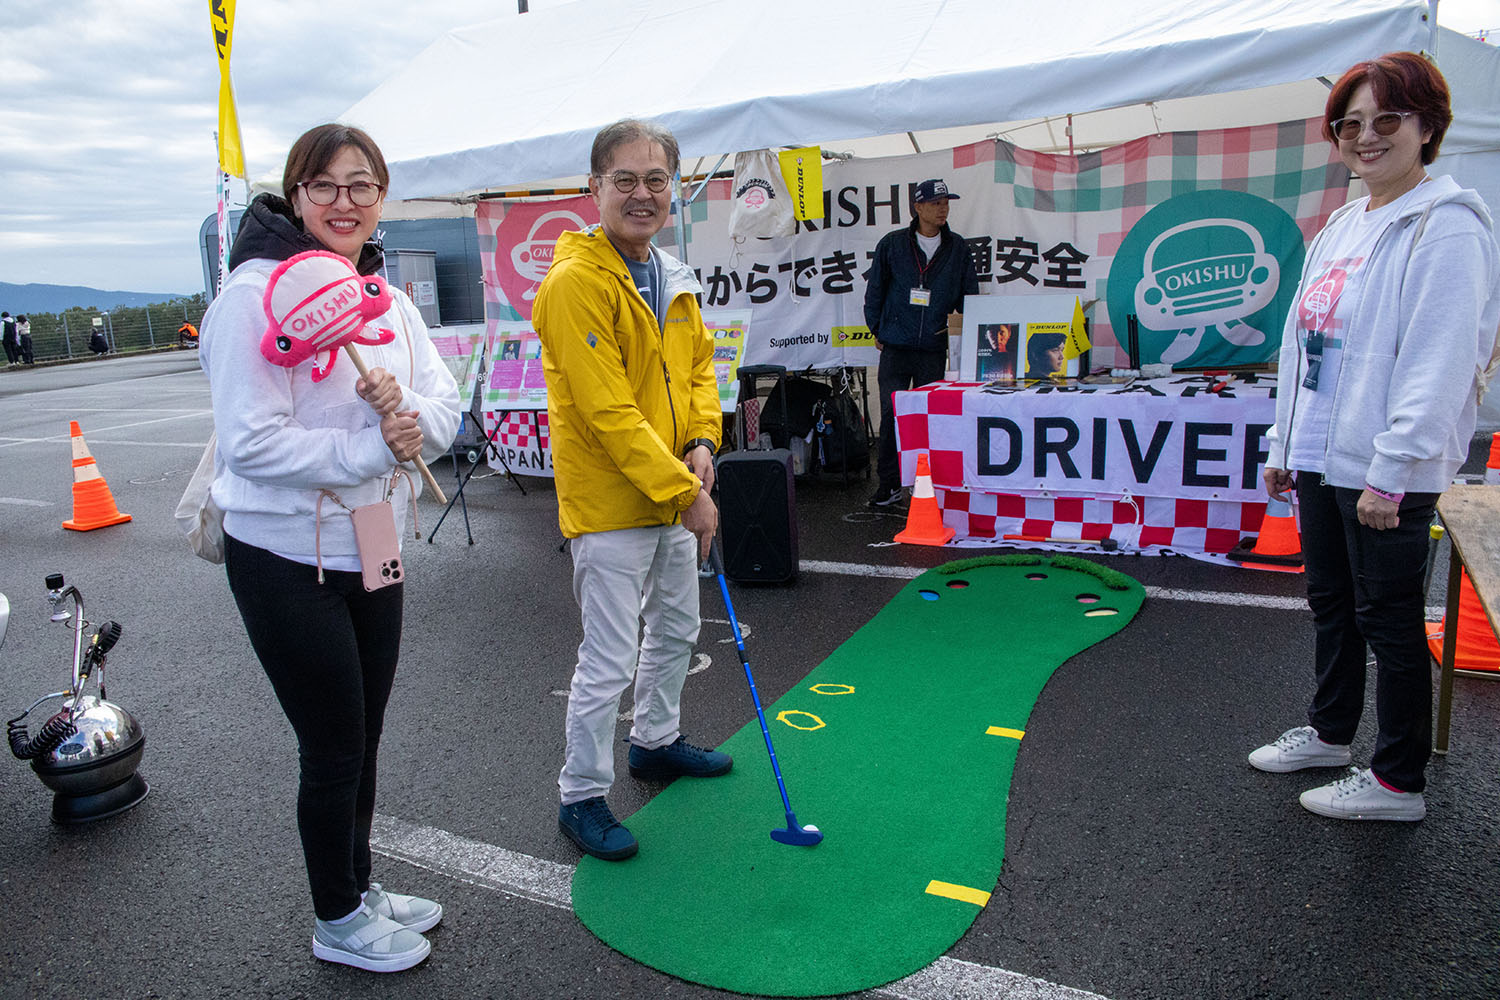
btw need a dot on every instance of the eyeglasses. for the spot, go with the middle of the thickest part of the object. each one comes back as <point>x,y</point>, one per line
<point>625,181</point>
<point>1385,123</point>
<point>365,194</point>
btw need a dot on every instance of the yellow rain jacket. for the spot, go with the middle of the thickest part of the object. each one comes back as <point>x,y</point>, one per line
<point>624,393</point>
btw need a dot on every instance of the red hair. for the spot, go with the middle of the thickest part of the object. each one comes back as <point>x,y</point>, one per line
<point>1400,81</point>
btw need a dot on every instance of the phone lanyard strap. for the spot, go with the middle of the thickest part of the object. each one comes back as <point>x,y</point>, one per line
<point>390,488</point>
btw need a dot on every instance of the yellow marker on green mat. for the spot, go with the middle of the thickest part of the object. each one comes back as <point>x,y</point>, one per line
<point>962,893</point>
<point>1014,734</point>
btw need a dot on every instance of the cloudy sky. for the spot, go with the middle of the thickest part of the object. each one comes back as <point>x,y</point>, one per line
<point>107,114</point>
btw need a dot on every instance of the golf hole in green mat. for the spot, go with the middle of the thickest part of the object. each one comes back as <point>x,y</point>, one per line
<point>900,748</point>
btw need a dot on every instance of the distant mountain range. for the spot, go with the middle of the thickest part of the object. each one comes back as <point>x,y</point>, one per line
<point>35,298</point>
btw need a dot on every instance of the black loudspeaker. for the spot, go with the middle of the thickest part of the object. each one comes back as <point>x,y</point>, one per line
<point>758,514</point>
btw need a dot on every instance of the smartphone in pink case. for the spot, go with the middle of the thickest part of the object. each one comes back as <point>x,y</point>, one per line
<point>379,548</point>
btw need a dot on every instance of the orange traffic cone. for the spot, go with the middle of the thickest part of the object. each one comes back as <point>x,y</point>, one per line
<point>924,521</point>
<point>1477,648</point>
<point>93,504</point>
<point>1277,547</point>
<point>1492,466</point>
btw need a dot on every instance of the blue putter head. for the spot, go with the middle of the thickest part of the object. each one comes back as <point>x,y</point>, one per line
<point>797,836</point>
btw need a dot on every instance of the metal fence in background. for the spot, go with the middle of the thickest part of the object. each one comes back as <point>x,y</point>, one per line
<point>56,336</point>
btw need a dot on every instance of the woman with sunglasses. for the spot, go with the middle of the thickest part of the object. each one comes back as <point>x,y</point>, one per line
<point>1390,332</point>
<point>297,457</point>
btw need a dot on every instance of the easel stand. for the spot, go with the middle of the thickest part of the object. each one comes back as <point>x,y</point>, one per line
<point>458,497</point>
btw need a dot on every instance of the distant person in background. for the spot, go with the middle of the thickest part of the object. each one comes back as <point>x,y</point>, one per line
<point>98,343</point>
<point>12,345</point>
<point>919,276</point>
<point>187,335</point>
<point>23,330</point>
<point>23,335</point>
<point>1044,355</point>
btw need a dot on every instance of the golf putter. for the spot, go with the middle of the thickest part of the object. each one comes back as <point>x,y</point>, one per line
<point>795,834</point>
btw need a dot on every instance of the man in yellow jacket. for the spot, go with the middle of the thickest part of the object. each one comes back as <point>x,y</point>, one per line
<point>634,421</point>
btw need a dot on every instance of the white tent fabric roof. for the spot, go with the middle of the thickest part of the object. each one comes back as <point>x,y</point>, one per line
<point>516,101</point>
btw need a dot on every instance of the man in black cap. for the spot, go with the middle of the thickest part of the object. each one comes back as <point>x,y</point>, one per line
<point>920,274</point>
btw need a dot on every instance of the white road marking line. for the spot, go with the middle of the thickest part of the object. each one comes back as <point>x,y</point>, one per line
<point>550,883</point>
<point>474,862</point>
<point>18,502</point>
<point>954,979</point>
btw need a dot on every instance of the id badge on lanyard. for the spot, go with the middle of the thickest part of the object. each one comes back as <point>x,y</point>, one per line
<point>921,296</point>
<point>1314,359</point>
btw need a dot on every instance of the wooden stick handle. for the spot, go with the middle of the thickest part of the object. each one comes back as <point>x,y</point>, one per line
<point>437,491</point>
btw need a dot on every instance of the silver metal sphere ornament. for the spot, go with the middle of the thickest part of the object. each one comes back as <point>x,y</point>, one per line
<point>88,751</point>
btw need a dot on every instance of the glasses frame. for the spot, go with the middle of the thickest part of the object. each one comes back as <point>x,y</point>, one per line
<point>348,189</point>
<point>626,181</point>
<point>1336,126</point>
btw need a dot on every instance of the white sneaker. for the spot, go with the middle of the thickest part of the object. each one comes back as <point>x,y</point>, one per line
<point>412,912</point>
<point>1362,796</point>
<point>369,941</point>
<point>1298,748</point>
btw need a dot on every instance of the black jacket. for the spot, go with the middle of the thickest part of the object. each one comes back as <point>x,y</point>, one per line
<point>270,230</point>
<point>897,269</point>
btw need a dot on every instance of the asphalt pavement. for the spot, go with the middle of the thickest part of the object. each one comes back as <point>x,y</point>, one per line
<point>1144,858</point>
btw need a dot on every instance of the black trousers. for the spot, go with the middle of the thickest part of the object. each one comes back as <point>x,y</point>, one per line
<point>12,349</point>
<point>901,368</point>
<point>1365,589</point>
<point>330,651</point>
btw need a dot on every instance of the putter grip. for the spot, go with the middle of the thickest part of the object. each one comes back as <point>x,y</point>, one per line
<point>437,491</point>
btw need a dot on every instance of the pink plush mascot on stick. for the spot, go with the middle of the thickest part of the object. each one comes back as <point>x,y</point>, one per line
<point>317,303</point>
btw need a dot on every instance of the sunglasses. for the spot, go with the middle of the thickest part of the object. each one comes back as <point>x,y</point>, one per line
<point>1385,123</point>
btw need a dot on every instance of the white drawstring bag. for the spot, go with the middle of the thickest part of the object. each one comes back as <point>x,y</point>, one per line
<point>198,517</point>
<point>762,206</point>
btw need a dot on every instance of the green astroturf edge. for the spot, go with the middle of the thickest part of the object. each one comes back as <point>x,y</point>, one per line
<point>884,747</point>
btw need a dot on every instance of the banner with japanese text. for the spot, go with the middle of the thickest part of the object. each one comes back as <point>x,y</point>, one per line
<point>1200,235</point>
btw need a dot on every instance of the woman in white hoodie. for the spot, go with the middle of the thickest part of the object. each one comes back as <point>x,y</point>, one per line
<point>298,457</point>
<point>1383,352</point>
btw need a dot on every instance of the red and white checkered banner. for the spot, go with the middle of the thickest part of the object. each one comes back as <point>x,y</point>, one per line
<point>1134,523</point>
<point>523,441</point>
<point>1168,437</point>
<point>1154,463</point>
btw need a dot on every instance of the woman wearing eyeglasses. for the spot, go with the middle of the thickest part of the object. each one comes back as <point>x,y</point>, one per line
<point>297,457</point>
<point>1392,327</point>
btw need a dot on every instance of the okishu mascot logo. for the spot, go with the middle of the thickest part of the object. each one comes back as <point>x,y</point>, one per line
<point>525,242</point>
<point>1202,273</point>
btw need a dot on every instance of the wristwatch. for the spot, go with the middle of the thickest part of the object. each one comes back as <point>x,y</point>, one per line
<point>695,442</point>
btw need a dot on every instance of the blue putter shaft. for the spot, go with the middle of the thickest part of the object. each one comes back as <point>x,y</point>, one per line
<point>794,833</point>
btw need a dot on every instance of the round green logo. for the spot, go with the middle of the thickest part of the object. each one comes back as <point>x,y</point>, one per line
<point>1209,276</point>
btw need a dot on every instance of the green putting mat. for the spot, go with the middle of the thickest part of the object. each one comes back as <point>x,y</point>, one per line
<point>899,747</point>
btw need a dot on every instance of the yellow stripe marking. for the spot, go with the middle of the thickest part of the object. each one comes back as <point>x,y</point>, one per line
<point>1014,734</point>
<point>962,893</point>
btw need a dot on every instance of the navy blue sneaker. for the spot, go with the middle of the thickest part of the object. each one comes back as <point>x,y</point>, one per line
<point>677,759</point>
<point>591,826</point>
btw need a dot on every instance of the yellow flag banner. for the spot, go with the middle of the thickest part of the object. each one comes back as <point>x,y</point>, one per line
<point>1078,337</point>
<point>231,153</point>
<point>802,169</point>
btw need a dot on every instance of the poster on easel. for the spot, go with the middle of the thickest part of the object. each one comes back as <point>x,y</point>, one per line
<point>731,331</point>
<point>516,381</point>
<point>1013,339</point>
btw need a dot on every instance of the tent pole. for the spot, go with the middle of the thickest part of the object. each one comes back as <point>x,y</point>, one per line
<point>681,207</point>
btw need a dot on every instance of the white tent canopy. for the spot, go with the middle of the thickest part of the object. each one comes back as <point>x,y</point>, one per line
<point>517,100</point>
